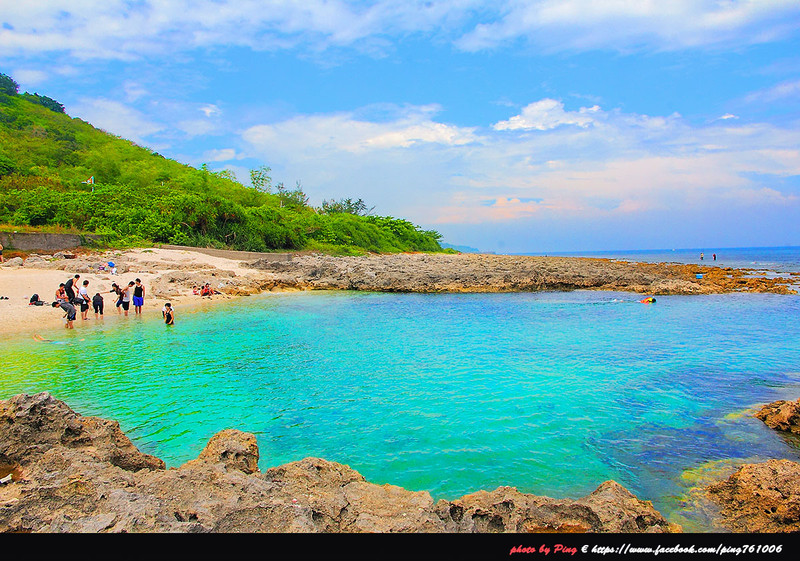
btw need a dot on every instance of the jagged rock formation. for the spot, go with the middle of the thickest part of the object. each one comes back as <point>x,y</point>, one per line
<point>504,273</point>
<point>760,497</point>
<point>81,474</point>
<point>781,415</point>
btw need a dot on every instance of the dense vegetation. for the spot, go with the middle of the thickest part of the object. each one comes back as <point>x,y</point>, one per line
<point>139,196</point>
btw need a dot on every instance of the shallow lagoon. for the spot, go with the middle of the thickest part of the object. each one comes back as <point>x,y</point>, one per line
<point>552,393</point>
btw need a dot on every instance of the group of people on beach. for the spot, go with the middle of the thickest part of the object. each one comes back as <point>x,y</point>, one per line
<point>204,290</point>
<point>71,295</point>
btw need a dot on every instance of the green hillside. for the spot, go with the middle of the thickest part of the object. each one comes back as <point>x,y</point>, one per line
<point>139,196</point>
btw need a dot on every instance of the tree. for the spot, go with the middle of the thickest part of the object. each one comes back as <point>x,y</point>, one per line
<point>295,198</point>
<point>7,85</point>
<point>225,174</point>
<point>48,102</point>
<point>349,206</point>
<point>261,179</point>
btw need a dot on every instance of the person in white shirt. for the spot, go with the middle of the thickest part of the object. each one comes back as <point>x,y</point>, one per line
<point>84,299</point>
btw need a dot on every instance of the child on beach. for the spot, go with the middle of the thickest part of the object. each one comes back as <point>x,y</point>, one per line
<point>97,304</point>
<point>168,313</point>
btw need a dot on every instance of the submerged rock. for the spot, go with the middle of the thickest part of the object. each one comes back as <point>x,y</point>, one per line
<point>781,415</point>
<point>761,497</point>
<point>82,474</point>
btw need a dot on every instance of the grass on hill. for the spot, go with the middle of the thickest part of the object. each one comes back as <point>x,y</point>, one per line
<point>141,197</point>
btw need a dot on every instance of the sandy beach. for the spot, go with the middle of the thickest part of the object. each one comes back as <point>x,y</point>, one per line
<point>169,275</point>
<point>19,283</point>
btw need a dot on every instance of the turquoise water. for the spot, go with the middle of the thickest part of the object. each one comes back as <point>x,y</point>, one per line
<point>552,393</point>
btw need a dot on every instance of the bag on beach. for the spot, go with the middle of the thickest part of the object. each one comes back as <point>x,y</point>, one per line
<point>34,299</point>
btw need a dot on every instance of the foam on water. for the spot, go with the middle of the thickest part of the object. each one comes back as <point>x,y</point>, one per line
<point>552,393</point>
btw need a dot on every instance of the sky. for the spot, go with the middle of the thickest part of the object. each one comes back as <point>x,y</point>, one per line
<point>510,126</point>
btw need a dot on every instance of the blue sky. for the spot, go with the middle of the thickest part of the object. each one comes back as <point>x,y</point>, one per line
<point>510,126</point>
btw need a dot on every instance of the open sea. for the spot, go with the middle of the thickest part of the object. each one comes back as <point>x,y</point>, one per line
<point>552,393</point>
<point>777,259</point>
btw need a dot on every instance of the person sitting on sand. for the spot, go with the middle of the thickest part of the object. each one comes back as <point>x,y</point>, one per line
<point>69,313</point>
<point>195,290</point>
<point>208,291</point>
<point>168,313</point>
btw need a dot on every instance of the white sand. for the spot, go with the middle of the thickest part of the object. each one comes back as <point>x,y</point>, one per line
<point>19,283</point>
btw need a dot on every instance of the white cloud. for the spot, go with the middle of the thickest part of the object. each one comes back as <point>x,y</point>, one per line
<point>321,134</point>
<point>548,114</point>
<point>784,90</point>
<point>119,29</point>
<point>116,118</point>
<point>558,25</point>
<point>29,78</point>
<point>210,110</point>
<point>222,155</point>
<point>622,165</point>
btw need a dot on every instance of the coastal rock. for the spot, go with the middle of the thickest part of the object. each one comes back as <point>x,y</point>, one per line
<point>781,415</point>
<point>30,426</point>
<point>760,497</point>
<point>504,273</point>
<point>81,474</point>
<point>13,262</point>
<point>34,260</point>
<point>610,508</point>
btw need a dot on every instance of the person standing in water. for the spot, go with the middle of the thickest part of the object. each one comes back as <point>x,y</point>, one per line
<point>714,256</point>
<point>97,304</point>
<point>138,296</point>
<point>169,314</point>
<point>69,313</point>
<point>126,297</point>
<point>701,256</point>
<point>83,299</point>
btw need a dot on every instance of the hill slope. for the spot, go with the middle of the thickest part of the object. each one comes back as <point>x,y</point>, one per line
<point>138,195</point>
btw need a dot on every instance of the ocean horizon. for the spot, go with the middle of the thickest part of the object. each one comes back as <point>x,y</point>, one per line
<point>782,259</point>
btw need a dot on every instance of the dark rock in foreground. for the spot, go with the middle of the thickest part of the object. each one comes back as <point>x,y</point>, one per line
<point>82,474</point>
<point>781,415</point>
<point>760,497</point>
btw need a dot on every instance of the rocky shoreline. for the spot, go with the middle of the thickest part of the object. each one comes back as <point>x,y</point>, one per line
<point>507,273</point>
<point>71,473</point>
<point>62,472</point>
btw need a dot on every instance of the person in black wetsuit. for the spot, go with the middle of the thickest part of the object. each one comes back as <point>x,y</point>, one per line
<point>169,314</point>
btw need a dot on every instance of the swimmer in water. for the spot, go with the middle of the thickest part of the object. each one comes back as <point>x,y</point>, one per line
<point>43,340</point>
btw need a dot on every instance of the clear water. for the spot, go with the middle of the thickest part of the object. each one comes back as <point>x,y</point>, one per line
<point>552,393</point>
